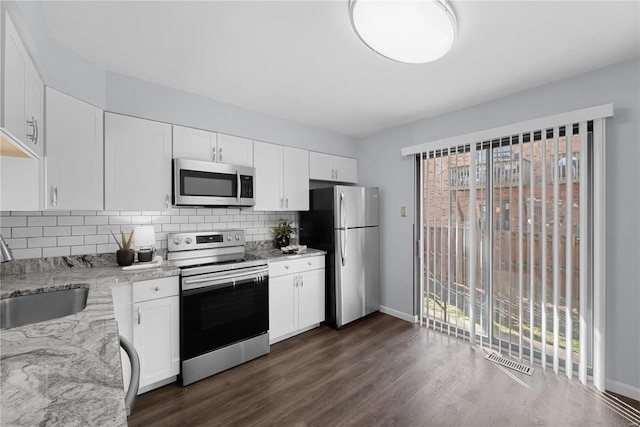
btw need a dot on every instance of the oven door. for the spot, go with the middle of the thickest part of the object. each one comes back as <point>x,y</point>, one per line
<point>218,311</point>
<point>201,183</point>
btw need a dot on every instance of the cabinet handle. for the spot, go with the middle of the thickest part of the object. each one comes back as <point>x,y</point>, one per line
<point>336,173</point>
<point>54,195</point>
<point>32,124</point>
<point>286,203</point>
<point>213,154</point>
<point>281,202</point>
<point>139,315</point>
<point>220,154</point>
<point>37,130</point>
<point>286,266</point>
<point>301,280</point>
<point>166,200</point>
<point>295,280</point>
<point>157,289</point>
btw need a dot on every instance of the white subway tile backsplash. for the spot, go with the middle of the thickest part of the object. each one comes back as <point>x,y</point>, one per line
<point>70,241</point>
<point>106,248</point>
<point>27,253</point>
<point>118,220</point>
<point>84,213</point>
<point>171,228</point>
<point>55,213</point>
<point>71,220</point>
<point>26,232</point>
<point>99,238</point>
<point>63,233</point>
<point>57,231</point>
<point>83,250</point>
<point>84,230</point>
<point>141,220</point>
<point>57,251</point>
<point>26,213</point>
<point>34,221</point>
<point>41,242</point>
<point>13,221</point>
<point>96,220</point>
<point>16,243</point>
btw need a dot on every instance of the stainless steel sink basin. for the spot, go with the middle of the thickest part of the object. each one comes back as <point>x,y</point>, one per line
<point>26,309</point>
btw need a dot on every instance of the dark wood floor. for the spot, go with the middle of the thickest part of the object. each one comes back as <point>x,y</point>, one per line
<point>378,371</point>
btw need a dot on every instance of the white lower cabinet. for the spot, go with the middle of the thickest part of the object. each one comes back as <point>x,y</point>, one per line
<point>148,315</point>
<point>296,296</point>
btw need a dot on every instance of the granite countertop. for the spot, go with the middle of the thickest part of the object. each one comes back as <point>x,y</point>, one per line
<point>268,252</point>
<point>66,371</point>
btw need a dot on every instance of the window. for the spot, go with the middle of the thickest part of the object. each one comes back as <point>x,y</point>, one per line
<point>513,259</point>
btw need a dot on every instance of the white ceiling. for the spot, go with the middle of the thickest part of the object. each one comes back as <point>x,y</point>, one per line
<point>301,60</point>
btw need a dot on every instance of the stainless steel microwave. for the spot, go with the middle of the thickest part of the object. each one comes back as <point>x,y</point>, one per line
<point>202,183</point>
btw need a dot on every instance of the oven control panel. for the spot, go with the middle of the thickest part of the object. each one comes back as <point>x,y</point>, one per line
<point>205,240</point>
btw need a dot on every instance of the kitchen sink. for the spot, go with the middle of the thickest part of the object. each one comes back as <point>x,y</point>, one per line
<point>34,308</point>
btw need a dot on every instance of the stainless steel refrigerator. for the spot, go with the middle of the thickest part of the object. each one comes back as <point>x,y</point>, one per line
<point>343,221</point>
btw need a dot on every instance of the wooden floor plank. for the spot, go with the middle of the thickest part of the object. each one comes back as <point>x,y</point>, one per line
<point>376,372</point>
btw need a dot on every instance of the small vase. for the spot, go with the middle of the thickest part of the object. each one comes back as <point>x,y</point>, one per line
<point>125,257</point>
<point>281,241</point>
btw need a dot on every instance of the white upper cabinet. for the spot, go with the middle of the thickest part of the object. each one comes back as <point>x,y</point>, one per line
<point>23,93</point>
<point>295,179</point>
<point>235,150</point>
<point>190,143</point>
<point>282,178</point>
<point>137,159</point>
<point>327,167</point>
<point>74,161</point>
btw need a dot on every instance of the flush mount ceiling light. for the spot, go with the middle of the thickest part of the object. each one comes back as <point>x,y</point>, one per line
<point>411,31</point>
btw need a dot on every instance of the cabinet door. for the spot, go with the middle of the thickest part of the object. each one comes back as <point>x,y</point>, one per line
<point>74,150</point>
<point>267,161</point>
<point>321,166</point>
<point>137,163</point>
<point>283,306</point>
<point>296,179</point>
<point>16,62</point>
<point>156,339</point>
<point>311,294</point>
<point>34,101</point>
<point>235,150</point>
<point>190,143</point>
<point>346,169</point>
<point>19,184</point>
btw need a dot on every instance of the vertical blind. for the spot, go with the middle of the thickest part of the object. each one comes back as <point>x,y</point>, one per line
<point>512,240</point>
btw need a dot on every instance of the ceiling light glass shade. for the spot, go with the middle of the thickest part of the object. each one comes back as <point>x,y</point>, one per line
<point>411,31</point>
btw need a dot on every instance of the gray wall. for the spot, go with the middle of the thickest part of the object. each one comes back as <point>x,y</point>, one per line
<point>382,165</point>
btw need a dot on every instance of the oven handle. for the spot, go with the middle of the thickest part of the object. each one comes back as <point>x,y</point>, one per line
<point>221,282</point>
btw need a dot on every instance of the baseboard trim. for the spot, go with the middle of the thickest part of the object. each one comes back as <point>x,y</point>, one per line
<point>623,389</point>
<point>399,314</point>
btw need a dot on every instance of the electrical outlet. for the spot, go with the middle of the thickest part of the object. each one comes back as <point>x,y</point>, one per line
<point>403,211</point>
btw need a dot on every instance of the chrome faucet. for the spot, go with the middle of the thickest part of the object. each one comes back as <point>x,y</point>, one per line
<point>5,251</point>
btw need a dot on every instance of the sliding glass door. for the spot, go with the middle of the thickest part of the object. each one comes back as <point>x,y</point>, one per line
<point>505,223</point>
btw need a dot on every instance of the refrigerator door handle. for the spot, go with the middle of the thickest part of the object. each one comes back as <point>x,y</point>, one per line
<point>343,226</point>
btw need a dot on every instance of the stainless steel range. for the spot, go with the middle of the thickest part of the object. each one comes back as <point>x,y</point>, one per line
<point>224,302</point>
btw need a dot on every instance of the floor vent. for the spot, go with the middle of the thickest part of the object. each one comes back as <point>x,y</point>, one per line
<point>496,358</point>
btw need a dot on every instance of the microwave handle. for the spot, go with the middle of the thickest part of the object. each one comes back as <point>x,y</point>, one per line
<point>238,184</point>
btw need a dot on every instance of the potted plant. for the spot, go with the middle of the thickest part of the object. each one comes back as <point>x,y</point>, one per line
<point>125,253</point>
<point>283,232</point>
